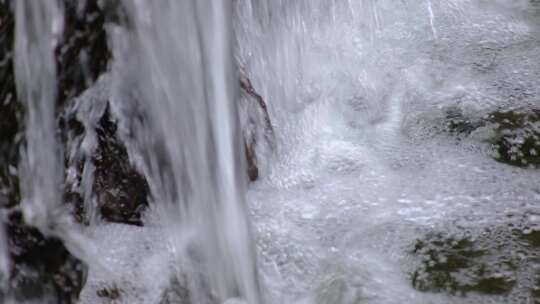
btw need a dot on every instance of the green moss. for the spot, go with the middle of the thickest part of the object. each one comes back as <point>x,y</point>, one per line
<point>535,291</point>
<point>516,133</point>
<point>532,237</point>
<point>492,285</point>
<point>458,265</point>
<point>517,139</point>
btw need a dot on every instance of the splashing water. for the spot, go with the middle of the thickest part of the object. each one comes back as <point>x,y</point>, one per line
<point>189,139</point>
<point>358,93</point>
<point>364,166</point>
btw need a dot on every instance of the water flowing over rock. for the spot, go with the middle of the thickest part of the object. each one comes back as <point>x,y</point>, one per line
<point>186,134</point>
<point>501,260</point>
<point>257,130</point>
<point>261,151</point>
<point>41,266</point>
<point>513,134</point>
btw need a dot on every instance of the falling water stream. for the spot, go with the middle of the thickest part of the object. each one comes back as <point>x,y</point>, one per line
<point>357,94</point>
<point>37,29</point>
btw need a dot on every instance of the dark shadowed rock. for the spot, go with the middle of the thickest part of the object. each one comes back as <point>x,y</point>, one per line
<point>118,191</point>
<point>111,293</point>
<point>10,113</point>
<point>122,192</point>
<point>83,54</point>
<point>257,129</point>
<point>42,268</point>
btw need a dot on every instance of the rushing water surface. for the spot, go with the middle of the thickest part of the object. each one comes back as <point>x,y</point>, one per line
<point>358,93</point>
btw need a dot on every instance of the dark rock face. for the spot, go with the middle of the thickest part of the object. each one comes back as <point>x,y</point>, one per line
<point>111,293</point>
<point>122,192</point>
<point>83,54</point>
<point>42,267</point>
<point>10,112</point>
<point>102,180</point>
<point>82,57</point>
<point>256,125</point>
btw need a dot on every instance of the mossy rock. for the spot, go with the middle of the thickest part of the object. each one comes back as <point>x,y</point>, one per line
<point>459,124</point>
<point>531,236</point>
<point>458,265</point>
<point>535,291</point>
<point>497,261</point>
<point>517,139</point>
<point>42,268</point>
<point>515,134</point>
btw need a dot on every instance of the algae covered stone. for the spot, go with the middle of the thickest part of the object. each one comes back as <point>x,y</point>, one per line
<point>502,260</point>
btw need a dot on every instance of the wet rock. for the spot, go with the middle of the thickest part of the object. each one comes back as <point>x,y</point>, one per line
<point>251,158</point>
<point>42,267</point>
<point>456,265</point>
<point>517,139</point>
<point>531,236</point>
<point>101,180</point>
<point>83,54</point>
<point>176,293</point>
<point>10,113</point>
<point>496,261</point>
<point>258,133</point>
<point>458,124</point>
<point>515,134</point>
<point>122,192</point>
<point>111,293</point>
<point>535,291</point>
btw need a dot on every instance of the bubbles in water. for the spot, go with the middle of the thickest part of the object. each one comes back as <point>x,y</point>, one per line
<point>385,113</point>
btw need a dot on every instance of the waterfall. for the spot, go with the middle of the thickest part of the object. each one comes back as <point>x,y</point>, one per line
<point>37,26</point>
<point>4,258</point>
<point>174,90</point>
<point>375,128</point>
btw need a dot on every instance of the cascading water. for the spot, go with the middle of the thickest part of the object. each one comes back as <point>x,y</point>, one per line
<point>386,120</point>
<point>4,259</point>
<point>360,92</point>
<point>189,139</point>
<point>37,29</point>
